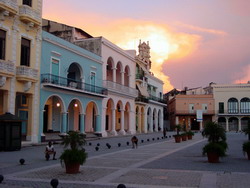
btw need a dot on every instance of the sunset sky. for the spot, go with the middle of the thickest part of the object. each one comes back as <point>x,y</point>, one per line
<point>193,42</point>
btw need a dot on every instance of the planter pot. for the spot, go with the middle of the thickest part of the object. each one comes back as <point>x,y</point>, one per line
<point>212,157</point>
<point>177,139</point>
<point>72,168</point>
<point>184,138</point>
<point>190,137</point>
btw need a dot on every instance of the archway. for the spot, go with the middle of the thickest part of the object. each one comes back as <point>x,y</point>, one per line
<point>75,76</point>
<point>137,125</point>
<point>126,76</point>
<point>155,120</point>
<point>159,120</point>
<point>90,117</point>
<point>119,73</point>
<point>119,107</point>
<point>74,111</point>
<point>109,69</point>
<point>244,122</point>
<point>108,118</point>
<point>142,119</point>
<point>222,122</point>
<point>233,123</point>
<point>127,117</point>
<point>149,118</point>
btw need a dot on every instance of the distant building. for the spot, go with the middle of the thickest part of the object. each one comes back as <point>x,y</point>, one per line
<point>232,105</point>
<point>20,48</point>
<point>183,106</point>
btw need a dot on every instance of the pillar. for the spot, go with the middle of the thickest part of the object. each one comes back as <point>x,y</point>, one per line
<point>176,120</point>
<point>82,121</point>
<point>151,123</point>
<point>139,122</point>
<point>64,122</point>
<point>122,77</point>
<point>113,131</point>
<point>122,122</point>
<point>239,124</point>
<point>114,74</point>
<point>227,126</point>
<point>98,124</point>
<point>145,129</point>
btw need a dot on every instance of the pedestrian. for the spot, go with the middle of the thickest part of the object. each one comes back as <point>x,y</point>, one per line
<point>49,150</point>
<point>164,132</point>
<point>134,141</point>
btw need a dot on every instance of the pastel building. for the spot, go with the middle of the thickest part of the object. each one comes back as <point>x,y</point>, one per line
<point>150,102</point>
<point>71,88</point>
<point>20,47</point>
<point>232,105</point>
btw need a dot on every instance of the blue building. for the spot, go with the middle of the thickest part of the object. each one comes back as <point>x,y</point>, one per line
<point>71,90</point>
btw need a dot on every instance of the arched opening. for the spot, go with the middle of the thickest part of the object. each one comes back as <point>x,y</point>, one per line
<point>90,118</point>
<point>74,115</point>
<point>119,107</point>
<point>233,123</point>
<point>233,106</point>
<point>109,69</point>
<point>74,76</point>
<point>119,73</point>
<point>126,76</point>
<point>149,117</point>
<point>108,118</point>
<point>159,120</point>
<point>52,120</point>
<point>245,105</point>
<point>244,122</point>
<point>142,119</point>
<point>126,117</point>
<point>137,125</point>
<point>155,120</point>
<point>222,122</point>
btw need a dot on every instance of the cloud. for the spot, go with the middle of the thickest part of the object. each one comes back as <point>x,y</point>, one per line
<point>245,75</point>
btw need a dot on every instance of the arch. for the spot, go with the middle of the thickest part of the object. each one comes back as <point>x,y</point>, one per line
<point>119,71</point>
<point>245,105</point>
<point>127,76</point>
<point>52,114</point>
<point>159,120</point>
<point>233,106</point>
<point>142,119</point>
<point>109,69</point>
<point>74,111</point>
<point>155,118</point>
<point>91,113</point>
<point>109,117</point>
<point>244,122</point>
<point>137,125</point>
<point>119,107</point>
<point>233,123</point>
<point>149,117</point>
<point>75,75</point>
<point>222,121</point>
<point>127,110</point>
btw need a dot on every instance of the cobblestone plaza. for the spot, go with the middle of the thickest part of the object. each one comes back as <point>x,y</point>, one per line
<point>156,163</point>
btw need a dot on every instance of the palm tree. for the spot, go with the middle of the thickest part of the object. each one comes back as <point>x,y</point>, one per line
<point>75,139</point>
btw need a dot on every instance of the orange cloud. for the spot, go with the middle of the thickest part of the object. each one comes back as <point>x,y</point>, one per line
<point>246,77</point>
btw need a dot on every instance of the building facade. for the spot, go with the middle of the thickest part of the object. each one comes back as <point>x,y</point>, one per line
<point>150,102</point>
<point>71,88</point>
<point>20,48</point>
<point>183,107</point>
<point>232,105</point>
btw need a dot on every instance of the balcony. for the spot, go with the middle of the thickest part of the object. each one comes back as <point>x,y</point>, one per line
<point>29,15</point>
<point>8,7</point>
<point>193,112</point>
<point>234,112</point>
<point>7,68</point>
<point>139,76</point>
<point>141,99</point>
<point>73,85</point>
<point>157,99</point>
<point>24,73</point>
<point>118,88</point>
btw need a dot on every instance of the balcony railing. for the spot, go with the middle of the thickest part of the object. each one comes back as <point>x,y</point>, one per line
<point>28,14</point>
<point>26,73</point>
<point>141,99</point>
<point>151,97</point>
<point>193,112</point>
<point>139,76</point>
<point>120,88</point>
<point>234,111</point>
<point>71,84</point>
<point>7,68</point>
<point>9,5</point>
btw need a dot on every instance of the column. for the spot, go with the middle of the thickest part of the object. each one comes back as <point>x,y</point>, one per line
<point>122,122</point>
<point>82,121</point>
<point>64,122</point>
<point>176,120</point>
<point>122,77</point>
<point>103,122</point>
<point>161,122</point>
<point>98,124</point>
<point>50,110</point>
<point>156,123</point>
<point>151,123</point>
<point>227,126</point>
<point>132,122</point>
<point>145,130</point>
<point>139,122</point>
<point>114,74</point>
<point>189,123</point>
<point>113,131</point>
<point>239,124</point>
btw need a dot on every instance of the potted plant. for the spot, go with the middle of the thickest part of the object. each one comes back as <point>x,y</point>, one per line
<point>217,145</point>
<point>73,155</point>
<point>184,136</point>
<point>177,136</point>
<point>246,145</point>
<point>190,134</point>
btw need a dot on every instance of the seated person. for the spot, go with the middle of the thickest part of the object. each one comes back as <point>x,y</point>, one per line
<point>134,141</point>
<point>49,151</point>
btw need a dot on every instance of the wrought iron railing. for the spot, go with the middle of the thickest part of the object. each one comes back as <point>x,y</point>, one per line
<point>139,76</point>
<point>151,97</point>
<point>120,88</point>
<point>7,66</point>
<point>72,84</point>
<point>141,99</point>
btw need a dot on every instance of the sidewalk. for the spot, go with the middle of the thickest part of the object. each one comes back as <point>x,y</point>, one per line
<point>155,165</point>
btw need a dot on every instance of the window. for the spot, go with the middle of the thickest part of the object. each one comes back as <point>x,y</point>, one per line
<point>2,44</point>
<point>191,108</point>
<point>25,52</point>
<point>204,108</point>
<point>27,2</point>
<point>232,106</point>
<point>245,105</point>
<point>221,107</point>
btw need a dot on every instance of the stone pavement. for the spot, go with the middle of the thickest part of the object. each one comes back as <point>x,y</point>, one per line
<point>155,164</point>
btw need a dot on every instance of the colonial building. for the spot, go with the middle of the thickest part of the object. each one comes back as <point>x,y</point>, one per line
<point>71,88</point>
<point>20,45</point>
<point>232,105</point>
<point>183,106</point>
<point>150,102</point>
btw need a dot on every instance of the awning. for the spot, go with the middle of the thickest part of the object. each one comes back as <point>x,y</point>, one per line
<point>143,90</point>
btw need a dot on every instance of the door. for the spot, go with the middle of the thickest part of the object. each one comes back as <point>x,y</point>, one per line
<point>23,115</point>
<point>55,70</point>
<point>92,82</point>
